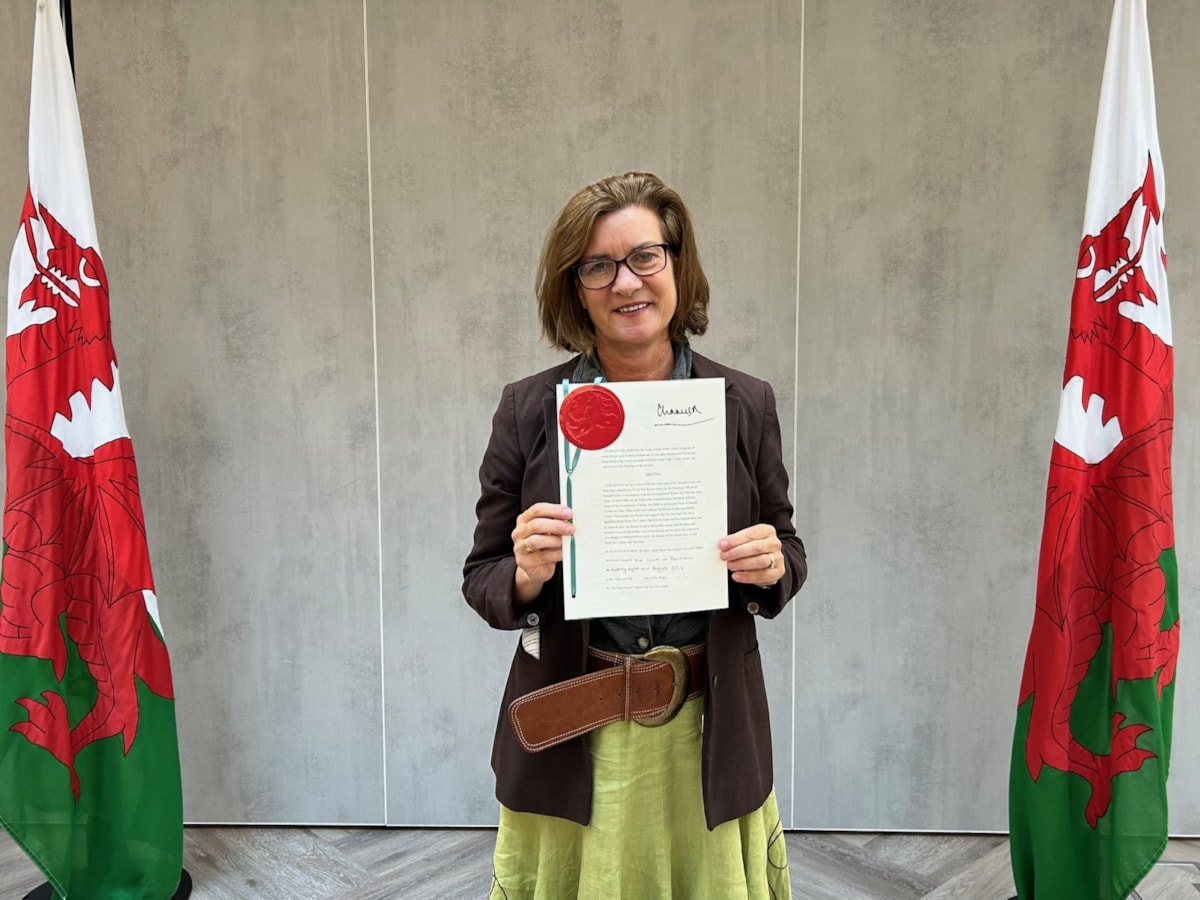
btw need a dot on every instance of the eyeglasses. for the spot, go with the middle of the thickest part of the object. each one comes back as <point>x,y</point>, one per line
<point>597,274</point>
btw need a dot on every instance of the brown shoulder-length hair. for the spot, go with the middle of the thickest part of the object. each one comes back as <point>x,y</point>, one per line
<point>564,320</point>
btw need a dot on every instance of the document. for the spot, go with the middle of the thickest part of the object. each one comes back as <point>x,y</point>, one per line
<point>643,466</point>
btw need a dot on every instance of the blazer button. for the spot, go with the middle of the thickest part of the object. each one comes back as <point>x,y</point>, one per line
<point>752,608</point>
<point>532,620</point>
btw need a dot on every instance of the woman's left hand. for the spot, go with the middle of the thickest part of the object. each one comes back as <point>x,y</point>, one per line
<point>754,555</point>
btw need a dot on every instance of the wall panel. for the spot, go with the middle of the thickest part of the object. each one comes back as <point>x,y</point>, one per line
<point>482,126</point>
<point>945,166</point>
<point>227,149</point>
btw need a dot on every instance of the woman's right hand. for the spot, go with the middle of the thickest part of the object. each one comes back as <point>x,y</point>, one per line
<point>538,546</point>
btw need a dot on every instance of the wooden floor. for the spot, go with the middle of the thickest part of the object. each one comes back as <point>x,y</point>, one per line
<point>246,863</point>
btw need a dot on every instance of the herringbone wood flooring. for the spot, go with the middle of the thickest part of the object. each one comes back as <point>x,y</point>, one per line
<point>248,863</point>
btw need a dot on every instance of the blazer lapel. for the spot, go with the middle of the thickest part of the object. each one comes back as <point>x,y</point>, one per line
<point>553,438</point>
<point>702,367</point>
<point>550,410</point>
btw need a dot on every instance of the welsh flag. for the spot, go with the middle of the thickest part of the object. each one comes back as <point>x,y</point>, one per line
<point>89,760</point>
<point>1087,790</point>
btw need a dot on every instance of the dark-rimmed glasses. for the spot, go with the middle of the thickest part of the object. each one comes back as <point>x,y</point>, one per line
<point>597,274</point>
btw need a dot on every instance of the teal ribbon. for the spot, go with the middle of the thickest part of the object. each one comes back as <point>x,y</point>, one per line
<point>569,463</point>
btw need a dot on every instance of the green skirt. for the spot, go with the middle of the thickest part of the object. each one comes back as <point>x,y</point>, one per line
<point>647,839</point>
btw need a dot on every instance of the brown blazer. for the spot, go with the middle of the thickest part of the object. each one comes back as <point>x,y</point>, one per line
<point>520,468</point>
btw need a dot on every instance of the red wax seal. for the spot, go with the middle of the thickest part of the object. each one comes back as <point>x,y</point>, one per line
<point>591,417</point>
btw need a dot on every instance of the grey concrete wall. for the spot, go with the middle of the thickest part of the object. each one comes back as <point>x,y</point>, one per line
<point>227,148</point>
<point>946,155</point>
<point>321,222</point>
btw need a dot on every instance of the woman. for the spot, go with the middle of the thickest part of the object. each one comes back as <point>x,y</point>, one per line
<point>684,810</point>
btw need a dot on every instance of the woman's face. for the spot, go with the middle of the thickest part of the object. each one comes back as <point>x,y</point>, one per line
<point>634,312</point>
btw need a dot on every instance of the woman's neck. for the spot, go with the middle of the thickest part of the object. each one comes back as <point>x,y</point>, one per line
<point>650,364</point>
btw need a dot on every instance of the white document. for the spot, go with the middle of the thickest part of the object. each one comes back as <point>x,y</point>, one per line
<point>643,467</point>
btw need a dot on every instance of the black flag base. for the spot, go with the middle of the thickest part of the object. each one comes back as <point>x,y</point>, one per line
<point>45,892</point>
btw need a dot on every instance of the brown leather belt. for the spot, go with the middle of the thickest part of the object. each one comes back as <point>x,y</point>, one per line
<point>647,689</point>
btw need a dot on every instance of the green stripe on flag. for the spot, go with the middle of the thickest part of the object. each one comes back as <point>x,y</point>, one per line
<point>130,807</point>
<point>1050,836</point>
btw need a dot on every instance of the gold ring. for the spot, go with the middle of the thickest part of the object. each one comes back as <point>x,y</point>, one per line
<point>771,556</point>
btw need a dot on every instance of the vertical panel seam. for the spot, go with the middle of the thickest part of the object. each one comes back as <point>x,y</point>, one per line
<point>378,450</point>
<point>796,392</point>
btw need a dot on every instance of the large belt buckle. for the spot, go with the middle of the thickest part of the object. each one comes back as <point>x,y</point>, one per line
<point>678,662</point>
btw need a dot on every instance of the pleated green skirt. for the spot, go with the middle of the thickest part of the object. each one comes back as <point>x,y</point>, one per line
<point>647,839</point>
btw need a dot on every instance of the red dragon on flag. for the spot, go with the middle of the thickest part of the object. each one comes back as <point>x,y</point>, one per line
<point>1108,506</point>
<point>73,523</point>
